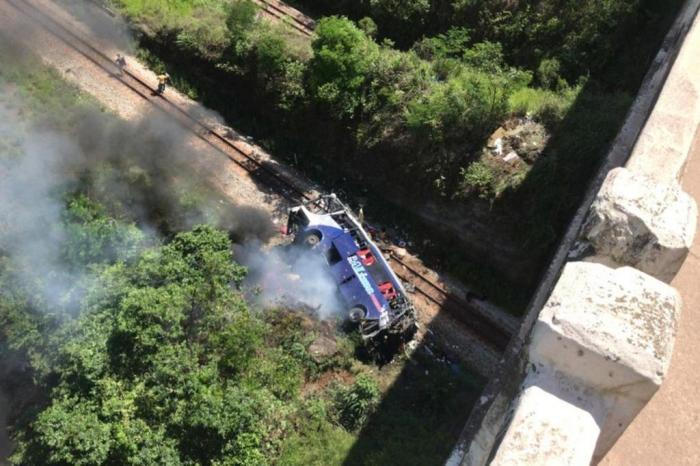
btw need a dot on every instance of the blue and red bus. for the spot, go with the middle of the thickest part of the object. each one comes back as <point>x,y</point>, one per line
<point>375,297</point>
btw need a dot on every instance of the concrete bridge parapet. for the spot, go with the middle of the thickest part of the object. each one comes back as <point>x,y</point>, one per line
<point>597,341</point>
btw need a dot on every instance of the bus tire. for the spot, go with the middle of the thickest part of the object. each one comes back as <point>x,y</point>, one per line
<point>356,314</point>
<point>312,239</point>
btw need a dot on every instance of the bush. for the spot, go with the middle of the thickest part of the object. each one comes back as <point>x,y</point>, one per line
<point>479,178</point>
<point>240,17</point>
<point>342,65</point>
<point>547,106</point>
<point>355,403</point>
<point>548,74</point>
<point>485,56</point>
<point>465,107</point>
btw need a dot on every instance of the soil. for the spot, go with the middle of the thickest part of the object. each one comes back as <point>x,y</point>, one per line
<point>328,378</point>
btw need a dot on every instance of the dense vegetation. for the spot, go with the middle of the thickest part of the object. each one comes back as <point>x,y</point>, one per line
<point>411,90</point>
<point>165,364</point>
<point>126,336</point>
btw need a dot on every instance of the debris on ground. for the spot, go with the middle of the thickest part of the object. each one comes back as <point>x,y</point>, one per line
<point>512,157</point>
<point>520,139</point>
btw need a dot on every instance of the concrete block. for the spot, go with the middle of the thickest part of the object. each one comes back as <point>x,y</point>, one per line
<point>612,331</point>
<point>554,423</point>
<point>662,149</point>
<point>637,222</point>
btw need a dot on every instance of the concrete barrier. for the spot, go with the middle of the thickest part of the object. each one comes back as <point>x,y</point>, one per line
<point>599,351</point>
<point>638,222</point>
<point>597,339</point>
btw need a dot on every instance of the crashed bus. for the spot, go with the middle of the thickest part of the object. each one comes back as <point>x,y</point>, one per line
<point>376,299</point>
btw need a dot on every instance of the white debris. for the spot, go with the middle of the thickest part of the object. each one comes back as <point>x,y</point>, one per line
<point>511,157</point>
<point>499,147</point>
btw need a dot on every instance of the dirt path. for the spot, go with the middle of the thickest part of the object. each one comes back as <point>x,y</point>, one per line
<point>232,181</point>
<point>667,431</point>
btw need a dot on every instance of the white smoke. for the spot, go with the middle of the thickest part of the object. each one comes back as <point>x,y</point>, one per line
<point>291,277</point>
<point>32,173</point>
<point>106,152</point>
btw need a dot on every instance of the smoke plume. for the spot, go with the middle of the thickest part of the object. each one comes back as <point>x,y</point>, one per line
<point>102,23</point>
<point>142,170</point>
<point>291,277</point>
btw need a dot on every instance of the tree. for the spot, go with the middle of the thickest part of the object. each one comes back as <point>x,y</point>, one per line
<point>156,367</point>
<point>91,236</point>
<point>342,66</point>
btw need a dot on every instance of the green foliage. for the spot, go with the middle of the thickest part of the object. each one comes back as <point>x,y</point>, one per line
<point>73,433</point>
<point>355,403</point>
<point>485,56</point>
<point>479,177</point>
<point>241,17</point>
<point>368,26</point>
<point>464,106</point>
<point>400,9</point>
<point>160,361</point>
<point>451,44</point>
<point>548,73</point>
<point>237,344</point>
<point>547,106</point>
<point>142,353</point>
<point>92,236</point>
<point>318,441</point>
<point>340,68</point>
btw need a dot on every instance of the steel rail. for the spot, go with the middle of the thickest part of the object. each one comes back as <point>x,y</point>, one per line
<point>280,13</point>
<point>462,311</point>
<point>249,163</point>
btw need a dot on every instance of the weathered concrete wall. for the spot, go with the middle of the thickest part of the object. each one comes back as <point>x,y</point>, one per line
<point>636,221</point>
<point>597,339</point>
<point>599,350</point>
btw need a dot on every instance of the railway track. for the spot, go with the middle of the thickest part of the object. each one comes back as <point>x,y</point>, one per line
<point>258,169</point>
<point>463,312</point>
<point>273,9</point>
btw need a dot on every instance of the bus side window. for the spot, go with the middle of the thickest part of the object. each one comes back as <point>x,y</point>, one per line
<point>332,255</point>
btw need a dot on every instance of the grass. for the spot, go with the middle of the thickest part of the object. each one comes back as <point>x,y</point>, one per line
<point>543,104</point>
<point>165,12</point>
<point>40,89</point>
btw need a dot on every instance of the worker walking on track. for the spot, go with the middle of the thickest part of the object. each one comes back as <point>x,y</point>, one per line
<point>120,61</point>
<point>162,81</point>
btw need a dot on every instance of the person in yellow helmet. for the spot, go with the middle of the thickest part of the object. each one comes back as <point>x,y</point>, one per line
<point>162,81</point>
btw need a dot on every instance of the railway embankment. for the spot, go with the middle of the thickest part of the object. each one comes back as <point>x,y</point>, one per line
<point>597,340</point>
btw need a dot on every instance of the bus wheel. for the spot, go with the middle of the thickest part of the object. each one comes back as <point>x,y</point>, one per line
<point>312,239</point>
<point>356,314</point>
